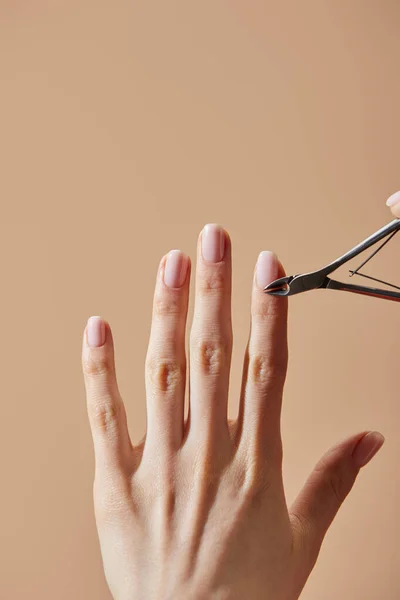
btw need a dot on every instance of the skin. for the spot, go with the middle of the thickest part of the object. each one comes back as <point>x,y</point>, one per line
<point>197,510</point>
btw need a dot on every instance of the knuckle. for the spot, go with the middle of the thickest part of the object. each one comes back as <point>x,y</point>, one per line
<point>104,415</point>
<point>97,365</point>
<point>265,369</point>
<point>166,375</point>
<point>212,283</point>
<point>166,306</point>
<point>268,310</point>
<point>210,355</point>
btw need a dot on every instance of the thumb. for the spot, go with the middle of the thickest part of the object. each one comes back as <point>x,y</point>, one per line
<point>328,485</point>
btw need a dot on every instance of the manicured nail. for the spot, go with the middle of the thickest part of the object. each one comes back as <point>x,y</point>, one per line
<point>266,269</point>
<point>367,447</point>
<point>393,199</point>
<point>213,243</point>
<point>96,331</point>
<point>176,268</point>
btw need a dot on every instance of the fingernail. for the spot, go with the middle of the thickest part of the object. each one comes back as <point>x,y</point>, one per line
<point>393,199</point>
<point>213,243</point>
<point>367,447</point>
<point>266,269</point>
<point>96,331</point>
<point>175,269</point>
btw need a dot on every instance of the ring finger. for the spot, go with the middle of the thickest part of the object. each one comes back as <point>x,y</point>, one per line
<point>166,358</point>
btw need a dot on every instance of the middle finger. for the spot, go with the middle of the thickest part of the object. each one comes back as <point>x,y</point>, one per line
<point>211,333</point>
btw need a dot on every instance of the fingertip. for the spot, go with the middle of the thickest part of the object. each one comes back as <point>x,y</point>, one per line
<point>393,202</point>
<point>393,199</point>
<point>176,269</point>
<point>214,243</point>
<point>281,269</point>
<point>367,448</point>
<point>396,211</point>
<point>95,331</point>
<point>267,268</point>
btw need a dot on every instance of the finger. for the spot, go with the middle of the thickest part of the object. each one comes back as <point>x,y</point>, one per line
<point>211,333</point>
<point>106,411</point>
<point>394,204</point>
<point>328,485</point>
<point>166,358</point>
<point>265,365</point>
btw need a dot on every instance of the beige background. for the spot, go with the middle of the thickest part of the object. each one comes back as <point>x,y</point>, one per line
<point>125,127</point>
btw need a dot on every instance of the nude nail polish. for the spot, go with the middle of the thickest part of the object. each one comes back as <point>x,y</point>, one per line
<point>266,268</point>
<point>96,331</point>
<point>176,267</point>
<point>213,243</point>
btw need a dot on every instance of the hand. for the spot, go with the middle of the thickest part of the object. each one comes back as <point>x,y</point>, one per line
<point>197,510</point>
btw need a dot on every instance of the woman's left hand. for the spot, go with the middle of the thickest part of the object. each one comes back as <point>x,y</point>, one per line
<point>198,509</point>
